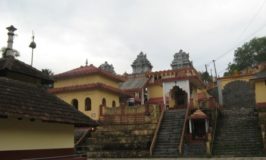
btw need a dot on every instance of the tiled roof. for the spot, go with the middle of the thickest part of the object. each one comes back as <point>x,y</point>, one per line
<point>134,83</point>
<point>13,65</point>
<point>87,70</point>
<point>198,114</point>
<point>261,75</point>
<point>24,100</point>
<point>89,86</point>
<point>236,76</point>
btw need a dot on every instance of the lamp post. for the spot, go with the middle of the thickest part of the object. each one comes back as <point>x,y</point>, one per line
<point>32,46</point>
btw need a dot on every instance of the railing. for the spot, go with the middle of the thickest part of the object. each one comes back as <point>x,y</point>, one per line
<point>180,147</point>
<point>66,157</point>
<point>156,132</point>
<point>84,135</point>
<point>123,119</point>
<point>129,115</point>
<point>214,130</point>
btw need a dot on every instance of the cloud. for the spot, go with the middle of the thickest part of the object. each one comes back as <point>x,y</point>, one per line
<point>69,32</point>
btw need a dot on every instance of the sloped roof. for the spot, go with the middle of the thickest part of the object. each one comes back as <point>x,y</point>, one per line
<point>87,70</point>
<point>198,114</point>
<point>134,83</point>
<point>86,87</point>
<point>20,99</point>
<point>259,76</point>
<point>11,64</point>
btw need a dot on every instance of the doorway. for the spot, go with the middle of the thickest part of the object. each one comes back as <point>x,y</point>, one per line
<point>179,97</point>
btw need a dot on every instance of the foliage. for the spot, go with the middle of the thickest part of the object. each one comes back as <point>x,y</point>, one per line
<point>206,77</point>
<point>48,72</point>
<point>248,55</point>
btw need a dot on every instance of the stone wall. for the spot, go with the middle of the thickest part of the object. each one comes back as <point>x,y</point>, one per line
<point>238,94</point>
<point>130,114</point>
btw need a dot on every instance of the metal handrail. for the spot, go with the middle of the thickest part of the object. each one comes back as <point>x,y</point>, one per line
<point>74,156</point>
<point>180,147</point>
<point>156,132</point>
<point>84,135</point>
<point>214,129</point>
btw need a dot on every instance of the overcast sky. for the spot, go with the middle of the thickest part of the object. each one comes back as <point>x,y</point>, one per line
<point>68,32</point>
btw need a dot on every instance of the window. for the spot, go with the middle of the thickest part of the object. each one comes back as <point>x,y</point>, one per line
<point>87,104</point>
<point>113,104</point>
<point>104,102</point>
<point>75,103</point>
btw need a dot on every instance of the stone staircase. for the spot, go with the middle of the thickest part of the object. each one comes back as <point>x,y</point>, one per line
<point>118,141</point>
<point>169,134</point>
<point>238,134</point>
<point>195,150</point>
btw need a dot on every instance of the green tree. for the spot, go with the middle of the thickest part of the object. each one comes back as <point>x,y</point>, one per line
<point>48,72</point>
<point>206,77</point>
<point>248,55</point>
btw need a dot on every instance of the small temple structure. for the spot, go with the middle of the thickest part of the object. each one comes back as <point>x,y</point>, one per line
<point>181,59</point>
<point>107,67</point>
<point>141,64</point>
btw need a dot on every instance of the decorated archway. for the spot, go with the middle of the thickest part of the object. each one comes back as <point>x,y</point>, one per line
<point>178,98</point>
<point>198,125</point>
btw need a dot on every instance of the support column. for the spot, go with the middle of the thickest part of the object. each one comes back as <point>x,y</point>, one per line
<point>190,126</point>
<point>206,125</point>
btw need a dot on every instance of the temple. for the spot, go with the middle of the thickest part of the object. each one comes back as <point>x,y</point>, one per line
<point>98,113</point>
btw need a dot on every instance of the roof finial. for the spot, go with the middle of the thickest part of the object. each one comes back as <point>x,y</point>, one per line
<point>32,46</point>
<point>86,63</point>
<point>9,50</point>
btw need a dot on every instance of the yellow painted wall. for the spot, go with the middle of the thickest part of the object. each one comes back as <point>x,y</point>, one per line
<point>24,134</point>
<point>155,91</point>
<point>96,97</point>
<point>225,81</point>
<point>194,96</point>
<point>95,78</point>
<point>260,90</point>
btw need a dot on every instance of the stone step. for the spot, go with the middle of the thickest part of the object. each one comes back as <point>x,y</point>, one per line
<point>169,134</point>
<point>118,154</point>
<point>237,135</point>
<point>194,150</point>
<point>123,132</point>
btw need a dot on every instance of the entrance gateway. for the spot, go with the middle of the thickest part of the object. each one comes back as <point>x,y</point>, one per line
<point>178,98</point>
<point>176,94</point>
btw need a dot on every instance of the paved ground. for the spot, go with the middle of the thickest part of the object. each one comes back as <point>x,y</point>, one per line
<point>234,158</point>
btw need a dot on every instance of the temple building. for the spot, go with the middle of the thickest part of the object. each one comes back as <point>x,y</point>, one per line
<point>260,89</point>
<point>174,88</point>
<point>33,122</point>
<point>136,83</point>
<point>189,122</point>
<point>88,87</point>
<point>163,87</point>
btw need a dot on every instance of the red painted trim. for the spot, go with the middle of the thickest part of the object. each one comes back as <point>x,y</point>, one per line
<point>89,86</point>
<point>88,70</point>
<point>157,100</point>
<point>261,105</point>
<point>236,76</point>
<point>38,153</point>
<point>171,71</point>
